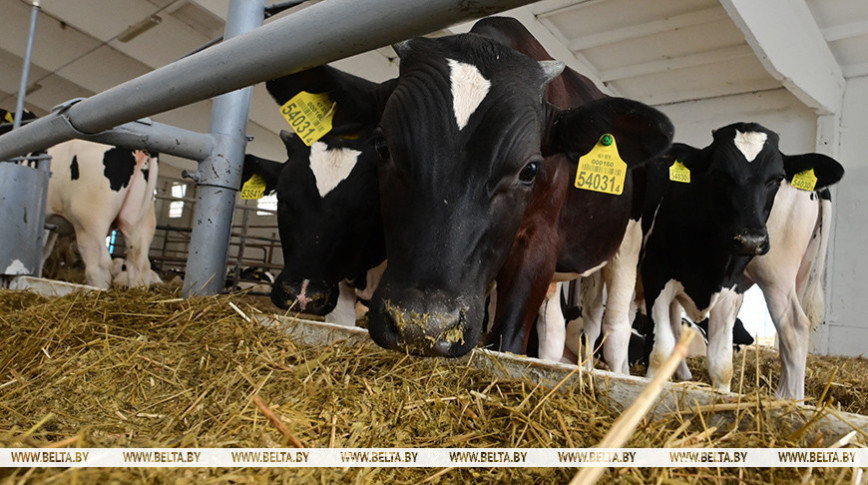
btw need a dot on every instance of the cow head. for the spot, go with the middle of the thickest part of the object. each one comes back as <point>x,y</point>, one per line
<point>328,216</point>
<point>743,169</point>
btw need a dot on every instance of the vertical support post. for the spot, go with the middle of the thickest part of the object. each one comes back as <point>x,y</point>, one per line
<point>25,69</point>
<point>828,139</point>
<point>219,175</point>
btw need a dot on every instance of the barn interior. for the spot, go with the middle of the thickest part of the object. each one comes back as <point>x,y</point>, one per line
<point>153,369</point>
<point>799,67</point>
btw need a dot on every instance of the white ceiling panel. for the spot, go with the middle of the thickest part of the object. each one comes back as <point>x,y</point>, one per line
<point>659,52</point>
<point>113,17</point>
<point>118,69</point>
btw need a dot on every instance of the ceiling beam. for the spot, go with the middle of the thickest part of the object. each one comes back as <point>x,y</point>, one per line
<point>788,42</point>
<point>724,54</point>
<point>549,7</point>
<point>648,28</point>
<point>845,31</point>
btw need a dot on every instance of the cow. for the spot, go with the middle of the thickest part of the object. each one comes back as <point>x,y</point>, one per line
<point>329,221</point>
<point>94,187</point>
<point>701,234</point>
<point>462,137</point>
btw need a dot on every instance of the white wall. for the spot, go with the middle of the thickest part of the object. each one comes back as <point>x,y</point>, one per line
<point>846,329</point>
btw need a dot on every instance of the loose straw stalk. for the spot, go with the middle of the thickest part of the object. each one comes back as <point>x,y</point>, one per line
<point>276,422</point>
<point>623,427</point>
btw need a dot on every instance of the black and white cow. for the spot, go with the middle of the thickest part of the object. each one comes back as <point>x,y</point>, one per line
<point>700,236</point>
<point>791,276</point>
<point>96,187</point>
<point>328,216</point>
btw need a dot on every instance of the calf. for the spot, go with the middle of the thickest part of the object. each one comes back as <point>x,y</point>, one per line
<point>567,232</point>
<point>791,276</point>
<point>328,216</point>
<point>94,187</point>
<point>701,235</point>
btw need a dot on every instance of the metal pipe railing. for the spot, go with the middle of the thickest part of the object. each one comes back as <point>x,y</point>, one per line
<point>321,33</point>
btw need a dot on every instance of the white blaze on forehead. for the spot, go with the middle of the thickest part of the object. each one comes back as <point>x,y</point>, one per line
<point>330,167</point>
<point>750,143</point>
<point>469,88</point>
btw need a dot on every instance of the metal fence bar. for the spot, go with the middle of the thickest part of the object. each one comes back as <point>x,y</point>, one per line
<point>316,35</point>
<point>25,70</point>
<point>219,175</point>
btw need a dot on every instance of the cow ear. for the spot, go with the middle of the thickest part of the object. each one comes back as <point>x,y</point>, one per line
<point>695,159</point>
<point>267,169</point>
<point>294,145</point>
<point>358,102</point>
<point>827,170</point>
<point>640,131</point>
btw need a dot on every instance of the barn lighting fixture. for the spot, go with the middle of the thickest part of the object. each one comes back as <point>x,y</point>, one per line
<point>140,28</point>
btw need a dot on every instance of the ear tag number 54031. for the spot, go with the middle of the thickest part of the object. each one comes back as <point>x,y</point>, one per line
<point>602,169</point>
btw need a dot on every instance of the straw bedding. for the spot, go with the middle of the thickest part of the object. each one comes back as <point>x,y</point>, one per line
<point>149,369</point>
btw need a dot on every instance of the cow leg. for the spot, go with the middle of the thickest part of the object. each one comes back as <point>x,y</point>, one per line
<point>620,278</point>
<point>721,319</point>
<point>138,236</point>
<point>94,253</point>
<point>592,315</point>
<point>664,339</point>
<point>551,327</point>
<point>345,311</point>
<point>794,328</point>
<point>682,373</point>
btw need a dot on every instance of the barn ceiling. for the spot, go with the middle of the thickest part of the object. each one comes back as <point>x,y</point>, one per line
<point>661,52</point>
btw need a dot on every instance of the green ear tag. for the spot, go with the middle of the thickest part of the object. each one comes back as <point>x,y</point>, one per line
<point>9,118</point>
<point>602,169</point>
<point>679,173</point>
<point>254,188</point>
<point>309,115</point>
<point>805,180</point>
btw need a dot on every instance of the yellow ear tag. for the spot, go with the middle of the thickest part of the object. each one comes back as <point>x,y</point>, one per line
<point>679,173</point>
<point>254,188</point>
<point>309,115</point>
<point>9,118</point>
<point>805,180</point>
<point>602,169</point>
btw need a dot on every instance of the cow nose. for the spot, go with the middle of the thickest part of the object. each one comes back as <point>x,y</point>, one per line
<point>316,298</point>
<point>752,243</point>
<point>432,333</point>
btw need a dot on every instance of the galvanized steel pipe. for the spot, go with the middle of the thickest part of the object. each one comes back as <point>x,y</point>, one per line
<point>319,34</point>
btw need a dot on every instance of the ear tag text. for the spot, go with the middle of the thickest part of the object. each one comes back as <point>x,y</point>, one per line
<point>679,173</point>
<point>254,188</point>
<point>309,115</point>
<point>602,169</point>
<point>805,180</point>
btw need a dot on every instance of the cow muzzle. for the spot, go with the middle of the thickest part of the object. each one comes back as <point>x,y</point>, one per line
<point>314,297</point>
<point>425,326</point>
<point>751,243</point>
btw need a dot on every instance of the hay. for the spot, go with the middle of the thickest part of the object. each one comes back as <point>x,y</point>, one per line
<point>149,369</point>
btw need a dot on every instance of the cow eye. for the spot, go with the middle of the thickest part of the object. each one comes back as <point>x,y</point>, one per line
<point>381,147</point>
<point>528,173</point>
<point>775,181</point>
